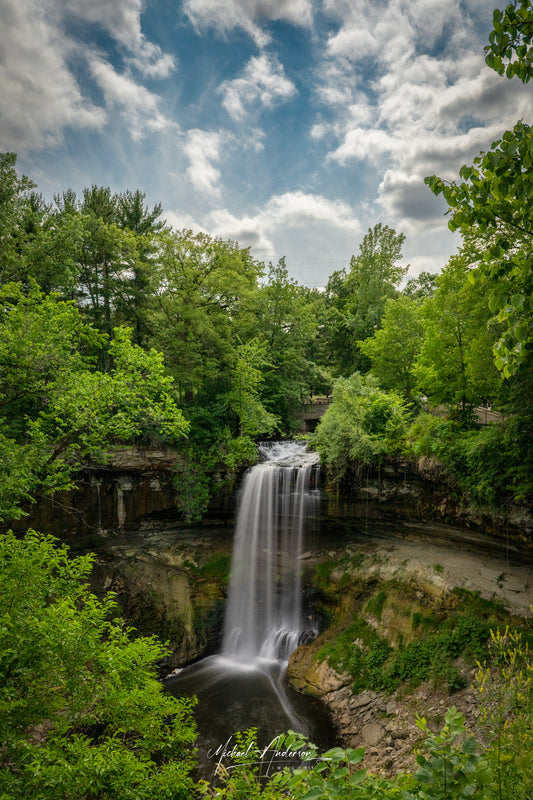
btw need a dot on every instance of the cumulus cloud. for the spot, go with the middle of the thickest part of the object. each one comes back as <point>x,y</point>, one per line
<point>263,81</point>
<point>248,15</point>
<point>429,105</point>
<point>40,96</point>
<point>295,224</point>
<point>299,208</point>
<point>406,198</point>
<point>202,148</point>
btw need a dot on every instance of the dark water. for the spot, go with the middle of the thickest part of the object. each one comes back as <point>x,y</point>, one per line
<point>232,698</point>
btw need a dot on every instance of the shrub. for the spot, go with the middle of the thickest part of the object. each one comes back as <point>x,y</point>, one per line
<point>82,711</point>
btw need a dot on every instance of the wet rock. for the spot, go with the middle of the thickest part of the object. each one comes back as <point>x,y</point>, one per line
<point>311,677</point>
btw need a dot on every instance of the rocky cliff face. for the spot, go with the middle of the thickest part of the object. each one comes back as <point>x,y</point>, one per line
<point>169,581</point>
<point>423,490</point>
<point>170,578</point>
<point>132,483</point>
<point>388,582</point>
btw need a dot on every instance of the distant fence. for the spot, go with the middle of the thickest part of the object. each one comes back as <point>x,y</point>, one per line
<point>484,415</point>
<point>317,407</point>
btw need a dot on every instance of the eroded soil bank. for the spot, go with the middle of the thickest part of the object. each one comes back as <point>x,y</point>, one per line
<point>394,578</point>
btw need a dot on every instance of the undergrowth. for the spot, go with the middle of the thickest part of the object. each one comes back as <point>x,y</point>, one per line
<point>463,630</point>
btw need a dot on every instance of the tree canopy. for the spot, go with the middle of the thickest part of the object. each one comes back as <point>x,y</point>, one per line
<point>57,409</point>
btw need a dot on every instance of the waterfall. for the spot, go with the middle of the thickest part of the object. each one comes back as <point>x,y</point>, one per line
<point>278,499</point>
<point>245,685</point>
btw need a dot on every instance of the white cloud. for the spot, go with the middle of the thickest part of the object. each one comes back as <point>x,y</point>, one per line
<point>122,20</point>
<point>426,111</point>
<point>299,208</point>
<point>263,80</point>
<point>248,15</point>
<point>40,96</point>
<point>406,198</point>
<point>202,148</point>
<point>249,230</point>
<point>182,221</point>
<point>138,105</point>
<point>295,224</point>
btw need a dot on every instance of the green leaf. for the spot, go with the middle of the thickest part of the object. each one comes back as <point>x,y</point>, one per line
<point>317,793</point>
<point>355,756</point>
<point>335,754</point>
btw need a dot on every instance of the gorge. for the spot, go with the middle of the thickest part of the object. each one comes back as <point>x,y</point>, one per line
<point>171,579</point>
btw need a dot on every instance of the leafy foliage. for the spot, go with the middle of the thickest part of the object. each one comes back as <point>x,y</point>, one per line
<point>356,297</point>
<point>362,425</point>
<point>287,319</point>
<point>494,198</point>
<point>455,362</point>
<point>244,396</point>
<point>395,346</point>
<point>510,50</point>
<point>452,769</point>
<point>490,463</point>
<point>82,713</point>
<point>506,695</point>
<point>58,409</point>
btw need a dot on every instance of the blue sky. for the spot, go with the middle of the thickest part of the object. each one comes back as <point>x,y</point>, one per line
<point>290,126</point>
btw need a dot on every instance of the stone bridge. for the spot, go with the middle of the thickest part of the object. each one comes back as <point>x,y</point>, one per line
<point>312,411</point>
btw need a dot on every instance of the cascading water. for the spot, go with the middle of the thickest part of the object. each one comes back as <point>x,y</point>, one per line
<point>264,609</point>
<point>245,685</point>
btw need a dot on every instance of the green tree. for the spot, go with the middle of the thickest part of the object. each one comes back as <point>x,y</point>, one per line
<point>394,348</point>
<point>494,199</point>
<point>14,200</point>
<point>286,319</point>
<point>201,289</point>
<point>133,215</point>
<point>244,395</point>
<point>57,409</point>
<point>106,254</point>
<point>422,286</point>
<point>455,363</point>
<point>362,426</point>
<point>53,241</point>
<point>510,50</point>
<point>82,713</point>
<point>356,298</point>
